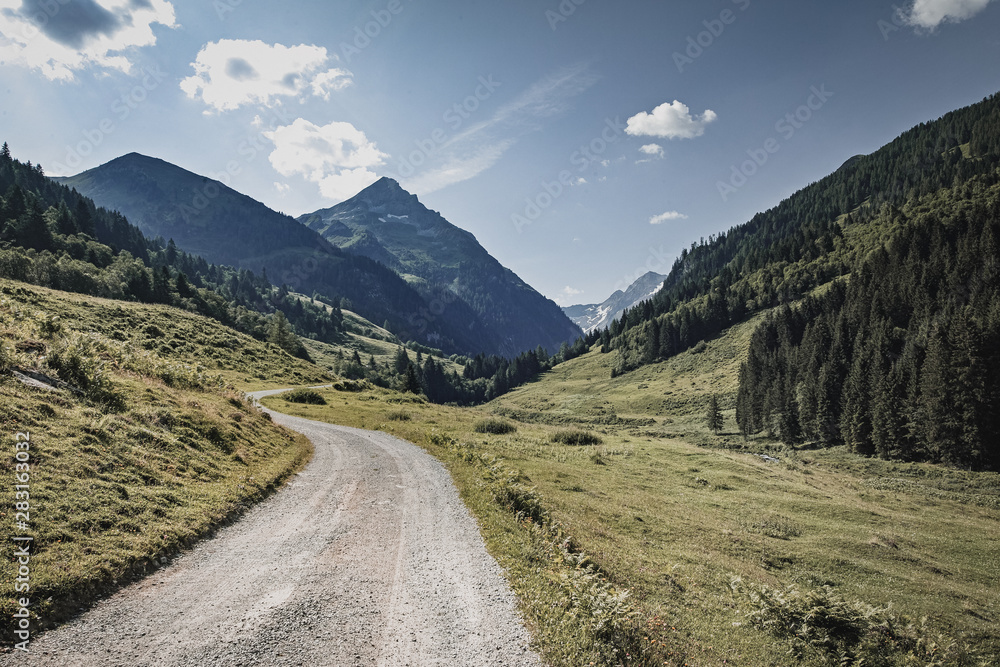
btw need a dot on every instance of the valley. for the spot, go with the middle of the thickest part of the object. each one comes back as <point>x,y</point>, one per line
<point>673,512</point>
<point>782,451</point>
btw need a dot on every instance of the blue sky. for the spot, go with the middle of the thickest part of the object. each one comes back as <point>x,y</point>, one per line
<point>582,141</point>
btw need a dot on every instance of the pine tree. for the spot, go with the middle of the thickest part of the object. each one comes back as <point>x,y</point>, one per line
<point>161,285</point>
<point>183,286</point>
<point>401,361</point>
<point>411,383</point>
<point>280,333</point>
<point>713,418</point>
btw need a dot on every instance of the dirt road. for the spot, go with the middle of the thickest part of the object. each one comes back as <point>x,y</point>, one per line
<point>368,557</point>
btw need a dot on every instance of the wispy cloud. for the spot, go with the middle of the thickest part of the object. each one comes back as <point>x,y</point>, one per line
<point>481,145</point>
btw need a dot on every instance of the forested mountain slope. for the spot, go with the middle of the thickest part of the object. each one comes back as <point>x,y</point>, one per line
<point>446,263</point>
<point>206,218</point>
<point>923,208</point>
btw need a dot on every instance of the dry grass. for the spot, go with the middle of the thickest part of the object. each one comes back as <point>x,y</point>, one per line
<point>162,454</point>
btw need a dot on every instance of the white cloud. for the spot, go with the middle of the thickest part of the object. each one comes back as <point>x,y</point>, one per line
<point>232,73</point>
<point>282,188</point>
<point>929,14</point>
<point>61,38</point>
<point>669,121</point>
<point>338,157</point>
<point>655,150</point>
<point>665,217</point>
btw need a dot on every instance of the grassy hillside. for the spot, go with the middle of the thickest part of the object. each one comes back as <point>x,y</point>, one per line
<point>370,341</point>
<point>147,445</point>
<point>668,398</point>
<point>706,534</point>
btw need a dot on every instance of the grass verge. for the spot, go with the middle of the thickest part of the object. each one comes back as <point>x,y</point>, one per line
<point>138,456</point>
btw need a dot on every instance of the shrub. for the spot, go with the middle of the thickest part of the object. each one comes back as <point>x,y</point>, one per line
<point>152,331</point>
<point>307,396</point>
<point>576,437</point>
<point>78,362</point>
<point>50,326</point>
<point>494,426</point>
<point>351,386</point>
<point>398,416</point>
<point>821,624</point>
<point>4,358</point>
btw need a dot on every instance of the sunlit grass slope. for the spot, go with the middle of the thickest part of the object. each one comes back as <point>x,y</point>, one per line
<point>145,448</point>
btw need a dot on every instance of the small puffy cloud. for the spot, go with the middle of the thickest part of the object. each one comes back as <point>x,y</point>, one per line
<point>929,14</point>
<point>232,73</point>
<point>338,157</point>
<point>61,38</point>
<point>666,217</point>
<point>669,121</point>
<point>653,150</point>
<point>282,188</point>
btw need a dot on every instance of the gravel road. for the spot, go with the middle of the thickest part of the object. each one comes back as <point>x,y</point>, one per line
<point>367,557</point>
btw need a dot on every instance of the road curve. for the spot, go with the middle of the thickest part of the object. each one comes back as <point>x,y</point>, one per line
<point>367,557</point>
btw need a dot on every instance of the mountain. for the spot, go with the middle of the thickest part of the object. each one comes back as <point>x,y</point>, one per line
<point>446,264</point>
<point>209,219</point>
<point>600,315</point>
<point>881,283</point>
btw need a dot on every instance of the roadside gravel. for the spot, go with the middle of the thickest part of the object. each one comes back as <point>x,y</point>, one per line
<point>367,557</point>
